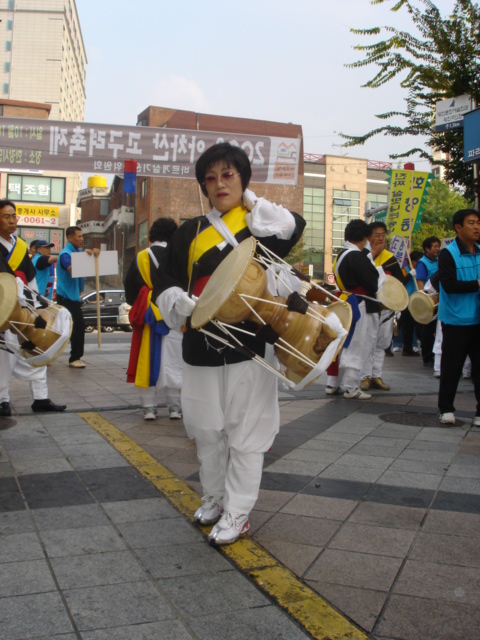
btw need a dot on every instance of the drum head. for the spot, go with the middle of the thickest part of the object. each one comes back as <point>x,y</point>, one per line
<point>223,282</point>
<point>8,298</point>
<point>392,294</point>
<point>422,307</point>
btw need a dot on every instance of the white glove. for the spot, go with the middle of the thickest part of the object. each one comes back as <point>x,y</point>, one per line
<point>413,272</point>
<point>184,305</point>
<point>249,199</point>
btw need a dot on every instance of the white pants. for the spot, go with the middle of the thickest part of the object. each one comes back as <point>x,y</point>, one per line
<point>19,367</point>
<point>351,359</point>
<point>233,414</point>
<point>378,338</point>
<point>169,383</point>
<point>437,350</point>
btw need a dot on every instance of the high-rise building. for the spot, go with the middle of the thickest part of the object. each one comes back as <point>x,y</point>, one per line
<point>42,62</point>
<point>42,55</point>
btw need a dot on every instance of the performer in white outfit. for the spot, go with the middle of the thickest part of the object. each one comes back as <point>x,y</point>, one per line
<point>355,273</point>
<point>156,363</point>
<point>14,252</point>
<point>230,404</point>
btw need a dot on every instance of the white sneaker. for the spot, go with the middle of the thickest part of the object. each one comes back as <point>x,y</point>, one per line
<point>332,391</point>
<point>175,412</point>
<point>149,413</point>
<point>466,375</point>
<point>476,421</point>
<point>210,511</point>
<point>356,394</point>
<point>447,418</point>
<point>229,528</point>
<point>436,374</point>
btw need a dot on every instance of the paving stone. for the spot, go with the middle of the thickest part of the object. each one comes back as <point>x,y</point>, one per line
<point>168,629</point>
<point>461,485</point>
<point>117,605</point>
<point>72,542</point>
<point>425,619</point>
<point>446,549</point>
<point>15,522</point>
<point>298,529</point>
<point>341,471</point>
<point>440,582</point>
<point>198,598</point>
<point>361,605</point>
<point>384,541</point>
<point>272,501</point>
<point>156,533</point>
<point>388,515</point>
<point>70,517</point>
<point>409,479</point>
<point>20,546</point>
<point>372,462</point>
<point>267,623</point>
<point>32,616</point>
<point>140,510</point>
<point>173,561</point>
<point>297,467</point>
<point>452,523</point>
<point>21,578</point>
<point>353,569</point>
<point>319,507</point>
<point>296,557</point>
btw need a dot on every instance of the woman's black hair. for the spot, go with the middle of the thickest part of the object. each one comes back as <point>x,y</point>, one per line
<point>162,230</point>
<point>223,152</point>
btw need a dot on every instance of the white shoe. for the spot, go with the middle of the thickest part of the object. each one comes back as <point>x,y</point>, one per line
<point>466,375</point>
<point>210,511</point>
<point>229,528</point>
<point>476,421</point>
<point>150,413</point>
<point>436,374</point>
<point>356,394</point>
<point>175,412</point>
<point>447,418</point>
<point>332,391</point>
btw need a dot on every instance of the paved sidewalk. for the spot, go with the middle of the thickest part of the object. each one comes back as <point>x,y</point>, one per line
<point>372,505</point>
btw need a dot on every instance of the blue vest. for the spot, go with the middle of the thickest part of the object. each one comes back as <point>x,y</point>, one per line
<point>430,265</point>
<point>41,276</point>
<point>461,309</point>
<point>68,287</point>
<point>410,286</point>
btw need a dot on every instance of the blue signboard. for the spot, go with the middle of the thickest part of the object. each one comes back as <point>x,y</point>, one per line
<point>471,136</point>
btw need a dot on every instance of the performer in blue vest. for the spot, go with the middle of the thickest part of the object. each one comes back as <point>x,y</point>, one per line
<point>44,262</point>
<point>68,293</point>
<point>459,311</point>
<point>426,267</point>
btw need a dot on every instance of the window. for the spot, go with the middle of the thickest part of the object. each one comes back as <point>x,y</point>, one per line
<point>36,189</point>
<point>9,25</point>
<point>8,45</point>
<point>143,189</point>
<point>346,207</point>
<point>5,87</point>
<point>6,66</point>
<point>104,207</point>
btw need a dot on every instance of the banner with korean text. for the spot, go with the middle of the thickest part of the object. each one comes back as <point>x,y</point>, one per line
<point>159,152</point>
<point>401,206</point>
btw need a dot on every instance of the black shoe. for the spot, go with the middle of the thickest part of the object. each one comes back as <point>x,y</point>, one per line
<point>411,353</point>
<point>47,405</point>
<point>428,363</point>
<point>5,409</point>
<point>389,352</point>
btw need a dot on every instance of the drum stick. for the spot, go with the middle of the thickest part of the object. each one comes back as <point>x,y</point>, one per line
<point>97,286</point>
<point>411,268</point>
<point>193,273</point>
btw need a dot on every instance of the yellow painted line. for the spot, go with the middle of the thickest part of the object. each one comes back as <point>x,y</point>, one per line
<point>309,609</point>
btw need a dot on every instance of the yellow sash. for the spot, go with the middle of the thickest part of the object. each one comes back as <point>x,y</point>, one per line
<point>383,257</point>
<point>234,219</point>
<point>142,374</point>
<point>340,284</point>
<point>17,254</point>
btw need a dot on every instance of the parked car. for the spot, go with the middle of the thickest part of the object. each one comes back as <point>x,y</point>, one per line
<point>110,316</point>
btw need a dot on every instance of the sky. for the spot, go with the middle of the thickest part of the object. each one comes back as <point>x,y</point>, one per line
<point>278,60</point>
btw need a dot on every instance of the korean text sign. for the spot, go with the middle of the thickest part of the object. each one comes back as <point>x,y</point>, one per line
<point>159,152</point>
